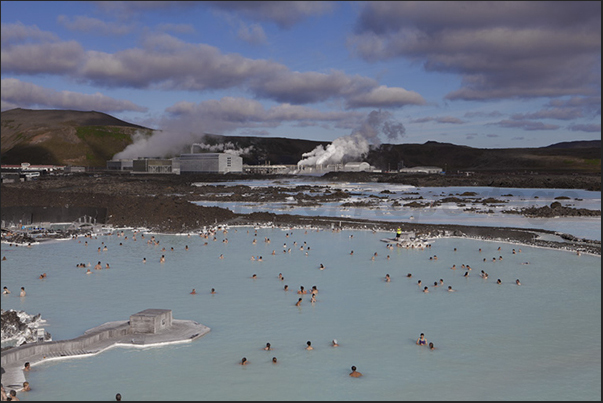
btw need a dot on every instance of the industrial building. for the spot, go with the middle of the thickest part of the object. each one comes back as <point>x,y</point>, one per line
<point>120,165</point>
<point>156,166</point>
<point>422,170</point>
<point>210,163</point>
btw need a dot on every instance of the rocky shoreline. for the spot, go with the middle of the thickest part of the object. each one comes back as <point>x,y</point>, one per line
<point>162,203</point>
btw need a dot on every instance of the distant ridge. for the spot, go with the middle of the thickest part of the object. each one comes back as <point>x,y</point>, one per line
<point>68,137</point>
<point>577,144</point>
<point>56,117</point>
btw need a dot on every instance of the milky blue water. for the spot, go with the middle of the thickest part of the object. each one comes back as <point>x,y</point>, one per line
<point>473,212</point>
<point>537,341</point>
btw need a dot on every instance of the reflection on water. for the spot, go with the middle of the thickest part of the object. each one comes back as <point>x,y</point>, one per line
<point>537,341</point>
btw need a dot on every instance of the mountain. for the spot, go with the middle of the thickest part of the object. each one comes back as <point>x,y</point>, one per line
<point>63,137</point>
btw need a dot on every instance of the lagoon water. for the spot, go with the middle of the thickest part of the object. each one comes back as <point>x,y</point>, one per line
<point>472,213</point>
<point>537,341</point>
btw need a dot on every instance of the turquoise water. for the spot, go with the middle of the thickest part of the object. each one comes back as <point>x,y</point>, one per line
<point>537,341</point>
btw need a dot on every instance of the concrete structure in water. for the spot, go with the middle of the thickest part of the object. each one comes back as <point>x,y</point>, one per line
<point>145,328</point>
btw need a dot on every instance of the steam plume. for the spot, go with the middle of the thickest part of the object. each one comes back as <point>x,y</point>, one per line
<point>167,144</point>
<point>357,144</point>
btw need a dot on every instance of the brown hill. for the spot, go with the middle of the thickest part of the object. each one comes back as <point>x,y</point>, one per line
<point>63,137</point>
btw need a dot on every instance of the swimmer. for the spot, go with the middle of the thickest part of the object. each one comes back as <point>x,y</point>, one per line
<point>517,282</point>
<point>286,287</point>
<point>26,367</point>
<point>450,289</point>
<point>22,293</point>
<point>213,291</point>
<point>221,256</point>
<point>88,271</point>
<point>387,278</point>
<point>313,298</point>
<point>321,267</point>
<point>431,346</point>
<point>334,343</point>
<point>309,345</point>
<point>298,303</point>
<point>453,267</point>
<point>274,360</point>
<point>144,260</point>
<point>5,290</point>
<point>354,373</point>
<point>244,361</point>
<point>98,266</point>
<point>409,275</point>
<point>466,274</point>
<point>498,281</point>
<point>162,259</point>
<point>425,289</point>
<point>267,348</point>
<point>254,276</point>
<point>302,290</point>
<point>26,387</point>
<point>194,291</point>
<point>419,282</point>
<point>441,282</point>
<point>107,266</point>
<point>421,341</point>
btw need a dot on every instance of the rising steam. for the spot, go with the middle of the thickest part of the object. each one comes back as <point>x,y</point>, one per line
<point>357,144</point>
<point>167,144</point>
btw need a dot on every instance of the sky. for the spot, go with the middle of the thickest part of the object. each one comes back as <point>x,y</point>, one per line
<point>481,74</point>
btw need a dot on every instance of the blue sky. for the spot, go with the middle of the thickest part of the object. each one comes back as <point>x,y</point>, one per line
<point>481,74</point>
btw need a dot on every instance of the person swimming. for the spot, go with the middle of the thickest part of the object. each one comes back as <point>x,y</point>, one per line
<point>421,341</point>
<point>354,373</point>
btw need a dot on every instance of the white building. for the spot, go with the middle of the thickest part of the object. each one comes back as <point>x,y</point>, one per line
<point>357,167</point>
<point>210,162</point>
<point>156,166</point>
<point>422,170</point>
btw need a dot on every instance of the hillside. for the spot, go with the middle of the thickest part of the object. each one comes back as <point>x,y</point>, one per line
<point>63,137</point>
<point>91,138</point>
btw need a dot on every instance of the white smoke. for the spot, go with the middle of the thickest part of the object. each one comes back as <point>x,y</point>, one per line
<point>357,144</point>
<point>352,146</point>
<point>162,144</point>
<point>227,148</point>
<point>167,144</point>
